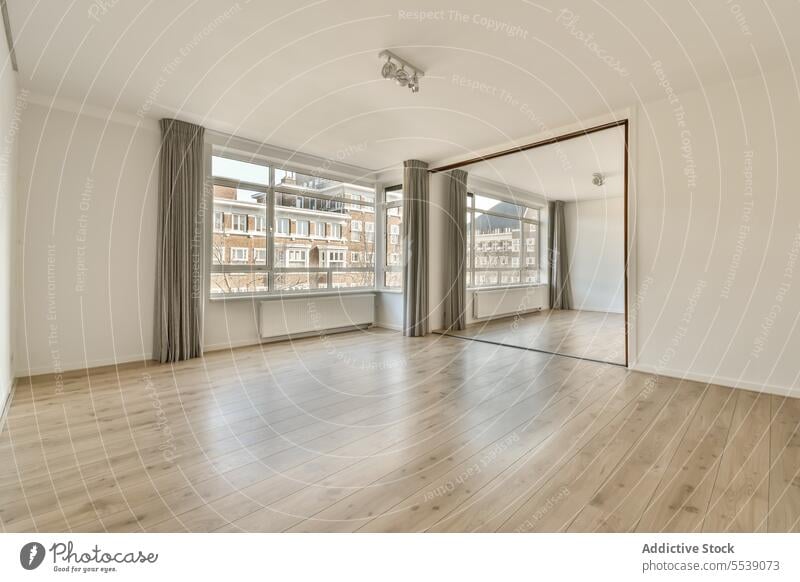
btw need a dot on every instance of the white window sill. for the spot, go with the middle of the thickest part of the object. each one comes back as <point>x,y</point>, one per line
<point>289,295</point>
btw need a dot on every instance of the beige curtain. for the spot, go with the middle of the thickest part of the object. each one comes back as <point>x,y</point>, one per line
<point>415,246</point>
<point>455,280</point>
<point>179,297</point>
<point>560,293</point>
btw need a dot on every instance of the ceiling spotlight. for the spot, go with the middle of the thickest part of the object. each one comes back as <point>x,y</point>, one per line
<point>388,69</point>
<point>406,76</point>
<point>401,77</point>
<point>413,84</point>
<point>598,179</point>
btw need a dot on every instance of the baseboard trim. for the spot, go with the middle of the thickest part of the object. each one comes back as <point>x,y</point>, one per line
<point>389,326</point>
<point>600,310</point>
<point>718,380</point>
<point>7,404</point>
<point>83,366</point>
<point>232,345</point>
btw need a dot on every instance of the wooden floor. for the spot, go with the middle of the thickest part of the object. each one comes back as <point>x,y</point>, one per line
<point>583,334</point>
<point>371,431</point>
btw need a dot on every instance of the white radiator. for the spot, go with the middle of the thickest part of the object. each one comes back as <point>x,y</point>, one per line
<point>500,302</point>
<point>304,315</point>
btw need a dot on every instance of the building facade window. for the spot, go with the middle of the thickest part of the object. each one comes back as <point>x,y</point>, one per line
<point>239,222</point>
<point>261,224</point>
<point>502,242</point>
<point>238,255</point>
<point>305,213</point>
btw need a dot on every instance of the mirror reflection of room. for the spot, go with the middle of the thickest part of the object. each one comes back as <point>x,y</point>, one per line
<point>545,256</point>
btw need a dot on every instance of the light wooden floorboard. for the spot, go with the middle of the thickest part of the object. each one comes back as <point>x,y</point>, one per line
<point>371,431</point>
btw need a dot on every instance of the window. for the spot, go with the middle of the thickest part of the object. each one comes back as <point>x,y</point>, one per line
<point>495,253</point>
<point>297,257</point>
<point>238,255</point>
<point>239,171</point>
<point>239,222</point>
<point>239,201</point>
<point>261,224</point>
<point>370,229</point>
<point>333,258</point>
<point>355,226</point>
<point>306,211</point>
<point>393,220</point>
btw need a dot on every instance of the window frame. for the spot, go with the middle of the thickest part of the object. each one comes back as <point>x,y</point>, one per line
<point>367,204</point>
<point>523,250</point>
<point>234,216</point>
<point>242,261</point>
<point>385,233</point>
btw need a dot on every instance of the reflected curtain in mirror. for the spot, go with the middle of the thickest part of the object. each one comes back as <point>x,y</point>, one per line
<point>455,281</point>
<point>560,294</point>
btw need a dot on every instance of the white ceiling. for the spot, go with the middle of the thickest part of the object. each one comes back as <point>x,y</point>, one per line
<point>304,75</point>
<point>563,171</point>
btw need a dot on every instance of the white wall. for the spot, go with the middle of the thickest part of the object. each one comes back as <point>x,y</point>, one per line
<point>595,232</point>
<point>714,220</point>
<point>87,226</point>
<point>389,310</point>
<point>718,234</point>
<point>85,174</point>
<point>11,105</point>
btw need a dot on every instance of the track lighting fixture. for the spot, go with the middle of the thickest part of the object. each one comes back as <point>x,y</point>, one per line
<point>401,75</point>
<point>389,69</point>
<point>413,83</point>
